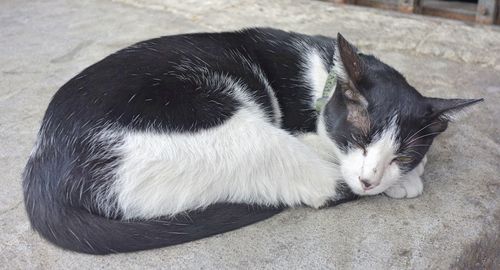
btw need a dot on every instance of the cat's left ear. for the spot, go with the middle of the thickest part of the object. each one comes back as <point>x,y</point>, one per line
<point>443,111</point>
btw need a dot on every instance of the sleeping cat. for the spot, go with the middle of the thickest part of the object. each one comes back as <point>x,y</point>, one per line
<point>181,137</point>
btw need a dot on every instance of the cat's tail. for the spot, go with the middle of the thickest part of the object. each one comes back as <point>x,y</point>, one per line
<point>81,231</point>
<point>70,226</point>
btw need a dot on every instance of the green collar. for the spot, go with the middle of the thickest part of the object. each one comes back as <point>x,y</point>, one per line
<point>327,90</point>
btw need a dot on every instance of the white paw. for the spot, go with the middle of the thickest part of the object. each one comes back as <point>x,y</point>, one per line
<point>419,170</point>
<point>424,160</point>
<point>397,191</point>
<point>409,187</point>
<point>421,166</point>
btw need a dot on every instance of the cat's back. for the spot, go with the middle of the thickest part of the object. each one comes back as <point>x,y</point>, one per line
<point>167,81</point>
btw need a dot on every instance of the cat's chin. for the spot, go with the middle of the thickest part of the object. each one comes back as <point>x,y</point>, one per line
<point>358,190</point>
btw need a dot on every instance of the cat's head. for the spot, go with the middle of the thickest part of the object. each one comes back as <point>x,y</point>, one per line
<point>380,125</point>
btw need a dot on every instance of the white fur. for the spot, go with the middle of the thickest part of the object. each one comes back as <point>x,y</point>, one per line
<point>316,73</point>
<point>247,159</point>
<point>338,66</point>
<point>274,100</point>
<point>319,145</point>
<point>258,73</point>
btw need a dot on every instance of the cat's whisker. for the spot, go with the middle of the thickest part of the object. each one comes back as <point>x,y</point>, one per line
<point>414,134</point>
<point>418,131</point>
<point>423,136</point>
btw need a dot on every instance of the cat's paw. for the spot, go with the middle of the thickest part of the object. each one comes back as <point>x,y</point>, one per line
<point>424,160</point>
<point>410,187</point>
<point>419,170</point>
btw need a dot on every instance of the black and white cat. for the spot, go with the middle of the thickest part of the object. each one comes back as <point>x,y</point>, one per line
<point>181,137</point>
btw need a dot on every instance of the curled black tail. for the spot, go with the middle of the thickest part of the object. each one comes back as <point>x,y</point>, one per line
<point>81,231</point>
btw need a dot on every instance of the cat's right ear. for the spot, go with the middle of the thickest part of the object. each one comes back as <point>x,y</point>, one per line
<point>442,111</point>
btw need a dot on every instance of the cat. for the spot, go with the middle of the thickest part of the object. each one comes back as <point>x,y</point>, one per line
<point>182,137</point>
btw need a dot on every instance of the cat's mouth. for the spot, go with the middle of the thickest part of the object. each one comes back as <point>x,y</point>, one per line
<point>368,192</point>
<point>365,187</point>
<point>367,184</point>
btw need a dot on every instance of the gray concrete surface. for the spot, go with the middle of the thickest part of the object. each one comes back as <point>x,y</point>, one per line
<point>44,43</point>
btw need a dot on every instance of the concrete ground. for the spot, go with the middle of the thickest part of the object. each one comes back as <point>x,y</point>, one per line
<point>44,43</point>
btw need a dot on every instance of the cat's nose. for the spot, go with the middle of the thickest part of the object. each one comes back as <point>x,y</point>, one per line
<point>366,184</point>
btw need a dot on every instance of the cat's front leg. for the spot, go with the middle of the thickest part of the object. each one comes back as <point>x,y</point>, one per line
<point>410,185</point>
<point>319,145</point>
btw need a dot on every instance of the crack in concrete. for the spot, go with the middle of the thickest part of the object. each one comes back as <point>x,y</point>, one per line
<point>9,95</point>
<point>72,53</point>
<point>11,208</point>
<point>426,38</point>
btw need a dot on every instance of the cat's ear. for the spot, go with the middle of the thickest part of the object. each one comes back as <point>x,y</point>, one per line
<point>443,111</point>
<point>349,69</point>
